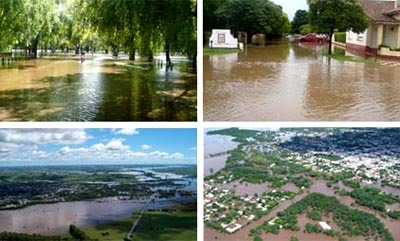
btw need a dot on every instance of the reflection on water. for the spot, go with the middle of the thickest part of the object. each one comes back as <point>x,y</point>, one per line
<point>96,90</point>
<point>292,82</point>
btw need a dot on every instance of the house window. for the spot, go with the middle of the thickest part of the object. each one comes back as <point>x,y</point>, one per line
<point>221,38</point>
<point>360,37</point>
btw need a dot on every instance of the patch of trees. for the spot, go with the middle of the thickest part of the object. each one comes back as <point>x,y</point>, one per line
<point>300,19</point>
<point>373,198</point>
<point>143,26</point>
<point>353,222</point>
<point>326,16</point>
<point>7,236</point>
<point>78,234</point>
<point>312,228</point>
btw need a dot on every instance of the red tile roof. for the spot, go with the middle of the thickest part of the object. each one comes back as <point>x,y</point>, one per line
<point>380,11</point>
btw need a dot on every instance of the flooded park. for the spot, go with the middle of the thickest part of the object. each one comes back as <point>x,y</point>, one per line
<point>291,81</point>
<point>83,60</point>
<point>98,89</point>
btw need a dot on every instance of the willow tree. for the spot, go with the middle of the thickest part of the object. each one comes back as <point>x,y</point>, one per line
<point>177,24</point>
<point>11,17</point>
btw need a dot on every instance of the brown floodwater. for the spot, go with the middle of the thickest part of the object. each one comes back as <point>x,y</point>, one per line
<point>56,218</point>
<point>98,89</point>
<point>214,144</point>
<point>288,82</point>
<point>318,186</point>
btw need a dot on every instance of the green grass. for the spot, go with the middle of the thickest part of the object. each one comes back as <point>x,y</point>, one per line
<point>216,51</point>
<point>116,229</point>
<point>342,57</point>
<point>164,226</point>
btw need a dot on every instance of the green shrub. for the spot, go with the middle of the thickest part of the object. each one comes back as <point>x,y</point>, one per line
<point>340,37</point>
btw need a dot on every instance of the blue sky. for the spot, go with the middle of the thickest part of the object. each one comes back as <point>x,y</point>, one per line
<point>291,6</point>
<point>97,146</point>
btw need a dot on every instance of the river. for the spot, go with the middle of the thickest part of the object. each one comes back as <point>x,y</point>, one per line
<point>98,89</point>
<point>214,144</point>
<point>294,82</point>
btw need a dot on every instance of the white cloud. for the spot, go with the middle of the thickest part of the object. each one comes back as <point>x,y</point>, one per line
<point>43,136</point>
<point>177,156</point>
<point>193,148</point>
<point>127,131</point>
<point>146,147</point>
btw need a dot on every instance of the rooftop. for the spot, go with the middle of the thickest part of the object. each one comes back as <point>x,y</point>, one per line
<point>381,11</point>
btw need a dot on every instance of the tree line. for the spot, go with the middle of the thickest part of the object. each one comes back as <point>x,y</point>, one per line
<point>136,26</point>
<point>252,17</point>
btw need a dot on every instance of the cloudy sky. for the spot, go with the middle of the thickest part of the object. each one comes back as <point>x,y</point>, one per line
<point>97,146</point>
<point>291,6</point>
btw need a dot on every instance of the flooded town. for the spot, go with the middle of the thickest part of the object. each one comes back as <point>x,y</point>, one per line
<point>322,62</point>
<point>303,184</point>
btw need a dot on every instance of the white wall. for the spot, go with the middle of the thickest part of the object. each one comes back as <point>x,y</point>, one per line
<point>222,38</point>
<point>359,39</point>
<point>390,35</point>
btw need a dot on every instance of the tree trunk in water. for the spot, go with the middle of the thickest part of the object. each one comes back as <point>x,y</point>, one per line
<point>132,54</point>
<point>35,48</point>
<point>249,36</point>
<point>194,61</point>
<point>330,43</point>
<point>132,49</point>
<point>77,49</point>
<point>167,54</point>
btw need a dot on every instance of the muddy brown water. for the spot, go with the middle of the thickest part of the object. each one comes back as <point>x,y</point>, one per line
<point>288,82</point>
<point>56,218</point>
<point>216,144</point>
<point>99,89</point>
<point>318,186</point>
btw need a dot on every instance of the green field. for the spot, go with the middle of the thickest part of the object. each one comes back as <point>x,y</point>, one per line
<point>173,226</point>
<point>112,231</point>
<point>215,51</point>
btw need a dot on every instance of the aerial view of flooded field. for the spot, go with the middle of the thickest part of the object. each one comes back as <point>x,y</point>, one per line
<point>304,184</point>
<point>92,191</point>
<point>292,81</point>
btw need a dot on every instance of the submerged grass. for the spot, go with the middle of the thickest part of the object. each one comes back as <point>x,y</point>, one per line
<point>341,57</point>
<point>216,51</point>
<point>164,226</point>
<point>111,231</point>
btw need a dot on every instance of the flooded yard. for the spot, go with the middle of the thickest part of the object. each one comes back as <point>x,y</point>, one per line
<point>98,89</point>
<point>294,82</point>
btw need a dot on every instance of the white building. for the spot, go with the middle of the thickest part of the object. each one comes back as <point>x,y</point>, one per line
<point>222,38</point>
<point>384,29</point>
<point>325,226</point>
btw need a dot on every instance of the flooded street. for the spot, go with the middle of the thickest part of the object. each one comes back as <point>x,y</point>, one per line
<point>99,89</point>
<point>288,82</point>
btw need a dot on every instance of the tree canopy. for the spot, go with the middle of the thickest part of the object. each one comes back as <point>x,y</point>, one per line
<point>257,16</point>
<point>143,26</point>
<point>300,19</point>
<point>326,16</point>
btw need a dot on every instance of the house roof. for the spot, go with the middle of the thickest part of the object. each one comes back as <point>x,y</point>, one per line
<point>381,11</point>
